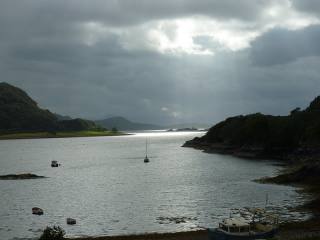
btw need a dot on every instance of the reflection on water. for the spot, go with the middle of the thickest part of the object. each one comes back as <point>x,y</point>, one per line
<point>104,184</point>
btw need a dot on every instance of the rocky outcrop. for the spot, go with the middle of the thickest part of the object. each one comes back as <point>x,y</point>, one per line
<point>265,136</point>
<point>22,176</point>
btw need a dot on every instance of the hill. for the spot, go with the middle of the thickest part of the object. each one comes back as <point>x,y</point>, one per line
<point>20,113</point>
<point>122,123</point>
<point>294,139</point>
<point>259,135</point>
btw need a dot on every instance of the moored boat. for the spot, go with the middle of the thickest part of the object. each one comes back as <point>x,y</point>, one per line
<point>71,221</point>
<point>37,211</point>
<point>261,226</point>
<point>54,163</point>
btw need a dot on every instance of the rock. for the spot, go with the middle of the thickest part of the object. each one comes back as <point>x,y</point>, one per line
<point>20,176</point>
<point>176,220</point>
<point>37,211</point>
<point>71,221</point>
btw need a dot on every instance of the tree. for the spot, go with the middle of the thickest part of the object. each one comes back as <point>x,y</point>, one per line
<point>294,111</point>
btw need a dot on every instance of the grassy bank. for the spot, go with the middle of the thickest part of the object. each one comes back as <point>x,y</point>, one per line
<point>62,134</point>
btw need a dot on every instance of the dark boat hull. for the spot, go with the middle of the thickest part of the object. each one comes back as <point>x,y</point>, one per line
<point>215,234</point>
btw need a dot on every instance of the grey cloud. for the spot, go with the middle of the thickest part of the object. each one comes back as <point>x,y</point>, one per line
<point>280,46</point>
<point>138,84</point>
<point>92,81</point>
<point>310,6</point>
<point>42,50</point>
<point>126,12</point>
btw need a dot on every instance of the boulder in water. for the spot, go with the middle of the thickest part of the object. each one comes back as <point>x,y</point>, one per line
<point>37,211</point>
<point>71,221</point>
<point>21,176</point>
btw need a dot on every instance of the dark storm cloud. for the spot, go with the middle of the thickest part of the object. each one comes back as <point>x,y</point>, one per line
<point>70,67</point>
<point>138,84</point>
<point>126,12</point>
<point>280,46</point>
<point>93,81</point>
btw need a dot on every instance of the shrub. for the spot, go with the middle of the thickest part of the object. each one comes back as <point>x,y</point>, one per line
<point>53,233</point>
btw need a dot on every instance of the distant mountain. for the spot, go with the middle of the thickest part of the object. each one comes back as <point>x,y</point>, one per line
<point>20,113</point>
<point>122,123</point>
<point>61,117</point>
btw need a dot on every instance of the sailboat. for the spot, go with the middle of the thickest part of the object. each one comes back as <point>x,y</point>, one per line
<point>146,159</point>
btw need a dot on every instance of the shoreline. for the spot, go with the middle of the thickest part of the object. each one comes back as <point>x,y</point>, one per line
<point>69,134</point>
<point>301,169</point>
<point>186,235</point>
<point>304,230</point>
<point>248,152</point>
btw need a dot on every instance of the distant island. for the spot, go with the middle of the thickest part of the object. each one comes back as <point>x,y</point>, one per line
<point>186,130</point>
<point>22,176</point>
<point>20,117</point>
<point>123,124</point>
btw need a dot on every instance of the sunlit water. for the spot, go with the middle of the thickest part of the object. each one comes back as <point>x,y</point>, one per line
<point>104,184</point>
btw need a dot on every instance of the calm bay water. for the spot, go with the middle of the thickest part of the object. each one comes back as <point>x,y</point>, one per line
<point>105,185</point>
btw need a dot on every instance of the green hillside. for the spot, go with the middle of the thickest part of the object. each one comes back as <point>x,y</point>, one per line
<point>20,113</point>
<point>266,135</point>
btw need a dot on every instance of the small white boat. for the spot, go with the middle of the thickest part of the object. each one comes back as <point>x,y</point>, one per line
<point>71,221</point>
<point>37,211</point>
<point>54,163</point>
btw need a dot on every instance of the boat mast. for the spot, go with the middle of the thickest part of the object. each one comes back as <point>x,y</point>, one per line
<point>146,147</point>
<point>267,200</point>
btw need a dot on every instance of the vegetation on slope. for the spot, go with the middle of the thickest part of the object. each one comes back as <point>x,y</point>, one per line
<point>266,135</point>
<point>19,112</point>
<point>20,117</point>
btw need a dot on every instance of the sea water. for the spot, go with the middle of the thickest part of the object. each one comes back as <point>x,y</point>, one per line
<point>104,184</point>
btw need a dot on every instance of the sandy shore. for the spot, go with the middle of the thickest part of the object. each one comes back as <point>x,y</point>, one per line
<point>189,235</point>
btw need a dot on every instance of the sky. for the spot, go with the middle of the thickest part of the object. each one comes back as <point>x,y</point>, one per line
<point>162,62</point>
